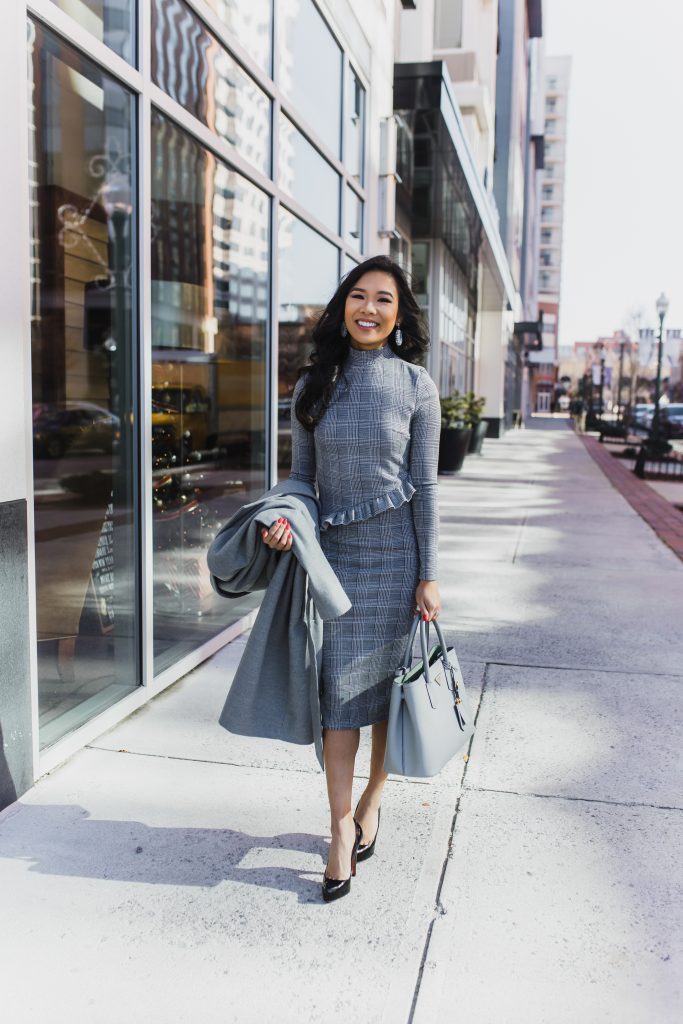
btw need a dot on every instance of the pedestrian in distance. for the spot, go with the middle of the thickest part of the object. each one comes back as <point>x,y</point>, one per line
<point>365,431</point>
<point>580,416</point>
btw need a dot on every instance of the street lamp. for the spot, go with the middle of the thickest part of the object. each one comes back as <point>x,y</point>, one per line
<point>655,445</point>
<point>654,439</point>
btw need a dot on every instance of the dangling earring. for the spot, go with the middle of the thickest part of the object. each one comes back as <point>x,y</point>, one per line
<point>342,330</point>
<point>398,337</point>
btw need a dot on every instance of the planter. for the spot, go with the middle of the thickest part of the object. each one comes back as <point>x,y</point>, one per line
<point>453,445</point>
<point>477,438</point>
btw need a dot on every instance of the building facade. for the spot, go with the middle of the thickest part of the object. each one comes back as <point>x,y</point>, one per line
<point>463,162</point>
<point>518,170</point>
<point>186,183</point>
<point>544,363</point>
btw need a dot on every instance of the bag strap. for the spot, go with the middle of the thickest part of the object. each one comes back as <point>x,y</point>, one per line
<point>424,641</point>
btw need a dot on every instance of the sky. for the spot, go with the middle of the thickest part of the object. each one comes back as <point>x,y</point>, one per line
<point>623,213</point>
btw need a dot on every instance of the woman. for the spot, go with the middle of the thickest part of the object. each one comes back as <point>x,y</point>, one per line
<point>365,426</point>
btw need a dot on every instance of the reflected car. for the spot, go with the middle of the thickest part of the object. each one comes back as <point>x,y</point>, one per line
<point>182,413</point>
<point>73,427</point>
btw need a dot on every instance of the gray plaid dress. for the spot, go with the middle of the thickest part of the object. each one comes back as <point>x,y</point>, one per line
<point>373,457</point>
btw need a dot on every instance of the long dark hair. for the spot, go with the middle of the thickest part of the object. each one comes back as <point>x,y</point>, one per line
<point>330,350</point>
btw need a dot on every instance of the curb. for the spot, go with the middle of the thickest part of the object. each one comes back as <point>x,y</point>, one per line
<point>659,514</point>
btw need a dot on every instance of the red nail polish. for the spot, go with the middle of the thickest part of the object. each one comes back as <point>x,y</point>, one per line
<point>279,519</point>
<point>425,618</point>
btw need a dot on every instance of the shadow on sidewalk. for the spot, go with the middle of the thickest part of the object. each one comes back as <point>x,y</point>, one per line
<point>64,840</point>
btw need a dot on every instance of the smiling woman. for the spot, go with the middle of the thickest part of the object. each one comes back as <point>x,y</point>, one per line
<point>365,429</point>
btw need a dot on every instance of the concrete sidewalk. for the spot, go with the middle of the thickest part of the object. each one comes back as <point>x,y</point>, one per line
<point>170,872</point>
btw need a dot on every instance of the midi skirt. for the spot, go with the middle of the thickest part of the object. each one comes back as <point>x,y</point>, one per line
<point>376,562</point>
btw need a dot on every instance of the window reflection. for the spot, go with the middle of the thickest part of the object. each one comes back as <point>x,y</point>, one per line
<point>209,318</point>
<point>353,219</point>
<point>311,68</point>
<point>190,65</point>
<point>250,22</point>
<point>308,276</point>
<point>110,21</point>
<point>355,126</point>
<point>307,176</point>
<point>83,248</point>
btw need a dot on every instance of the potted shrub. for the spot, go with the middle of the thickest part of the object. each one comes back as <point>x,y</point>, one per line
<point>473,410</point>
<point>455,434</point>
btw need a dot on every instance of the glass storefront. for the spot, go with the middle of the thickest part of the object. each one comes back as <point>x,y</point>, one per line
<point>209,319</point>
<point>308,276</point>
<point>195,70</point>
<point>83,337</point>
<point>120,188</point>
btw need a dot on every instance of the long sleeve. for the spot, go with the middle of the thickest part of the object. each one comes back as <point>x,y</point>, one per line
<point>303,444</point>
<point>425,427</point>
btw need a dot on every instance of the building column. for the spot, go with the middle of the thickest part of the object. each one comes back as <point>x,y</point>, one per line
<point>16,705</point>
<point>492,342</point>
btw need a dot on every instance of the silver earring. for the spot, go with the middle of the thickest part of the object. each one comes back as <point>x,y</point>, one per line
<point>343,331</point>
<point>398,337</point>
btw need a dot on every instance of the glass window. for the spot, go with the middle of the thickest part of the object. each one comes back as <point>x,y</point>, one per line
<point>399,250</point>
<point>251,24</point>
<point>308,276</point>
<point>307,176</point>
<point>210,293</point>
<point>355,126</point>
<point>311,69</point>
<point>353,219</point>
<point>448,24</point>
<point>191,66</point>
<point>110,21</point>
<point>83,237</point>
<point>348,263</point>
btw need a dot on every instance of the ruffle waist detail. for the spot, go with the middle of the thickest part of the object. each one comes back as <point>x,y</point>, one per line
<point>394,498</point>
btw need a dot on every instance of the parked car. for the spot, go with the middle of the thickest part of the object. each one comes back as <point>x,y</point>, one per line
<point>640,412</point>
<point>672,420</point>
<point>182,413</point>
<point>74,427</point>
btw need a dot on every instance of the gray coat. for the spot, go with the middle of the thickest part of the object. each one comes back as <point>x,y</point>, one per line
<point>275,692</point>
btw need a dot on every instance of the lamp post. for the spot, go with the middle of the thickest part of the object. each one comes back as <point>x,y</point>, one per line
<point>655,439</point>
<point>620,408</point>
<point>655,445</point>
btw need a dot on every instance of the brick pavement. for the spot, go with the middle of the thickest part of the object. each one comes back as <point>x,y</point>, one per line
<point>658,513</point>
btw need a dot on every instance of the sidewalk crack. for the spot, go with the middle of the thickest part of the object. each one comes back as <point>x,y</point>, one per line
<point>439,909</point>
<point>579,799</point>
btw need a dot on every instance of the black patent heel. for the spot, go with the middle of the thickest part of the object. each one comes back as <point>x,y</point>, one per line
<point>335,888</point>
<point>366,850</point>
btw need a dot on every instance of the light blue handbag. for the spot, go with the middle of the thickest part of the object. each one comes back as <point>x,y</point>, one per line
<point>429,715</point>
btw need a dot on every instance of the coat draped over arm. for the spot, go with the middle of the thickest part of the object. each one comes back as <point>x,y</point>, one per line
<point>275,692</point>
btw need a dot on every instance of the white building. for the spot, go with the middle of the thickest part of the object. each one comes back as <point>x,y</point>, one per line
<point>544,364</point>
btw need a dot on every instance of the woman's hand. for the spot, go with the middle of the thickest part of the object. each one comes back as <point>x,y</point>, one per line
<point>428,599</point>
<point>279,536</point>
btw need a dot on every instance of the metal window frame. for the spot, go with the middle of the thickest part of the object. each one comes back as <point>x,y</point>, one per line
<point>138,80</point>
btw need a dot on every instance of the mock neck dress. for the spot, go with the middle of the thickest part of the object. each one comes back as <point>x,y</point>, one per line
<point>373,461</point>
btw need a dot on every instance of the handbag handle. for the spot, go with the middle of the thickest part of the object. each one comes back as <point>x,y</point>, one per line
<point>424,639</point>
